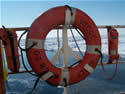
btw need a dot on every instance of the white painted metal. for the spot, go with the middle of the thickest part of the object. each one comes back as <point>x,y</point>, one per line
<point>65,46</point>
<point>67,17</point>
<point>73,54</point>
<point>66,90</point>
<point>58,46</point>
<point>57,56</point>
<point>64,74</point>
<point>74,15</point>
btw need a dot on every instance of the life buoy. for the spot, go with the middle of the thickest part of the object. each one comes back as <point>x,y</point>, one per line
<point>37,57</point>
<point>12,54</point>
<point>113,45</point>
<point>112,51</point>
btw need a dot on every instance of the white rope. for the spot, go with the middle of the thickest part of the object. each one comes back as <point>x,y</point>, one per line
<point>58,46</point>
<point>76,42</point>
<point>65,50</point>
<point>58,54</point>
<point>73,54</point>
<point>65,46</point>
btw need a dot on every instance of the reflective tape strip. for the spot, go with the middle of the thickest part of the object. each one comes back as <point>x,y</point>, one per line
<point>88,68</point>
<point>64,75</point>
<point>91,49</point>
<point>74,15</point>
<point>39,45</point>
<point>69,19</point>
<point>47,76</point>
<point>113,52</point>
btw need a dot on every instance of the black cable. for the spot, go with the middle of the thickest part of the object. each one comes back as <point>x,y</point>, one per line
<point>69,8</point>
<point>74,27</point>
<point>5,29</point>
<point>10,36</point>
<point>101,55</point>
<point>34,87</point>
<point>27,49</point>
<point>36,82</point>
<point>20,39</point>
<point>79,33</point>
<point>74,64</point>
<point>21,50</point>
<point>36,75</point>
<point>25,65</point>
<point>65,81</point>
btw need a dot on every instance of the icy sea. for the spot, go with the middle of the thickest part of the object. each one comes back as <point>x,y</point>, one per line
<point>93,84</point>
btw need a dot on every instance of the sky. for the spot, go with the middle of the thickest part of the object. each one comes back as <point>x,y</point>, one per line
<point>21,13</point>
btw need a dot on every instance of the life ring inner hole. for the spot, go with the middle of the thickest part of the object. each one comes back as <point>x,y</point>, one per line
<point>54,44</point>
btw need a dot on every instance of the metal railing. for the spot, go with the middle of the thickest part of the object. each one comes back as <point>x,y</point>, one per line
<point>108,27</point>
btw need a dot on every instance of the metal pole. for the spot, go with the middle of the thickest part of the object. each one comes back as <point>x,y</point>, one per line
<point>65,57</point>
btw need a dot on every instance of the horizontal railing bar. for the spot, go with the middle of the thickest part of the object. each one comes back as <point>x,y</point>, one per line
<point>113,63</point>
<point>60,27</point>
<point>113,26</point>
<point>18,28</point>
<point>32,71</point>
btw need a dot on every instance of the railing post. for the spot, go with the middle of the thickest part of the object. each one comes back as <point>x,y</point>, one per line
<point>2,84</point>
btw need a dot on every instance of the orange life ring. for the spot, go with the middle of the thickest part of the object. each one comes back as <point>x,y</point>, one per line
<point>38,59</point>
